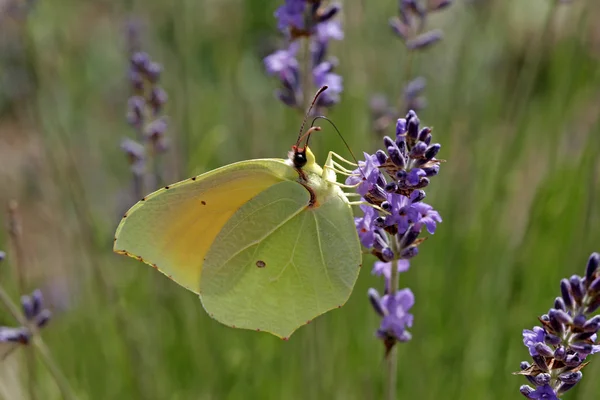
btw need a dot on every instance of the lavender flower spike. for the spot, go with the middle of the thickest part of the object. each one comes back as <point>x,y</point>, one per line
<point>144,109</point>
<point>34,312</point>
<point>311,21</point>
<point>410,27</point>
<point>390,183</point>
<point>568,335</point>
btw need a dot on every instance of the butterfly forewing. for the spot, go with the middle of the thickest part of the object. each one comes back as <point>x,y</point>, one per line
<point>173,228</point>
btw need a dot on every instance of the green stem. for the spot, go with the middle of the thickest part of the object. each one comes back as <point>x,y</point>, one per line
<point>392,357</point>
<point>408,67</point>
<point>306,81</point>
<point>15,232</point>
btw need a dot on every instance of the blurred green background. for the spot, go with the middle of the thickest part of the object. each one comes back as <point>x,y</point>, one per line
<point>513,97</point>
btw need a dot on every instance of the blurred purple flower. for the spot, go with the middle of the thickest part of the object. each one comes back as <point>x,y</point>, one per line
<point>323,76</point>
<point>329,30</point>
<point>143,114</point>
<point>33,308</point>
<point>14,335</point>
<point>291,15</point>
<point>282,60</point>
<point>409,26</point>
<point>425,40</point>
<point>34,311</point>
<point>306,20</point>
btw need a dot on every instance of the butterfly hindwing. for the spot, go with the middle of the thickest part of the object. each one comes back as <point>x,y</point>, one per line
<point>279,263</point>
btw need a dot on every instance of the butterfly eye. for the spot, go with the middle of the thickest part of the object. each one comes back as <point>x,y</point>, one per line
<point>299,158</point>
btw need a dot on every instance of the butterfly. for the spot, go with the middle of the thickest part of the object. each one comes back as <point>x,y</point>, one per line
<point>267,244</point>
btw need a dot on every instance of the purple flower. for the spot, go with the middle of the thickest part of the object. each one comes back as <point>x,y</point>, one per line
<point>396,317</point>
<point>595,347</point>
<point>402,212</point>
<point>304,20</point>
<point>323,76</point>
<point>143,114</point>
<point>14,335</point>
<point>331,29</point>
<point>282,60</point>
<point>135,110</point>
<point>414,176</point>
<point>33,308</point>
<point>385,268</point>
<point>365,227</point>
<point>291,15</point>
<point>366,175</point>
<point>400,127</point>
<point>425,40</point>
<point>531,338</point>
<point>428,217</point>
<point>408,27</point>
<point>543,392</point>
<point>34,312</point>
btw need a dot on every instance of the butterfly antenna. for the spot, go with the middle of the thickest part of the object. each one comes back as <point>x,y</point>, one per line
<point>321,90</point>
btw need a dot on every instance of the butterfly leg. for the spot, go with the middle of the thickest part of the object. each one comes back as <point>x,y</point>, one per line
<point>332,167</point>
<point>366,203</point>
<point>340,158</point>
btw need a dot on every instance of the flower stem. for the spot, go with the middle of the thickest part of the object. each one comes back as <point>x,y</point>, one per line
<point>392,357</point>
<point>408,68</point>
<point>306,67</point>
<point>139,185</point>
<point>15,231</point>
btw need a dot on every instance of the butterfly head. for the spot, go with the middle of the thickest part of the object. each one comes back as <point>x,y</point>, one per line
<point>301,156</point>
